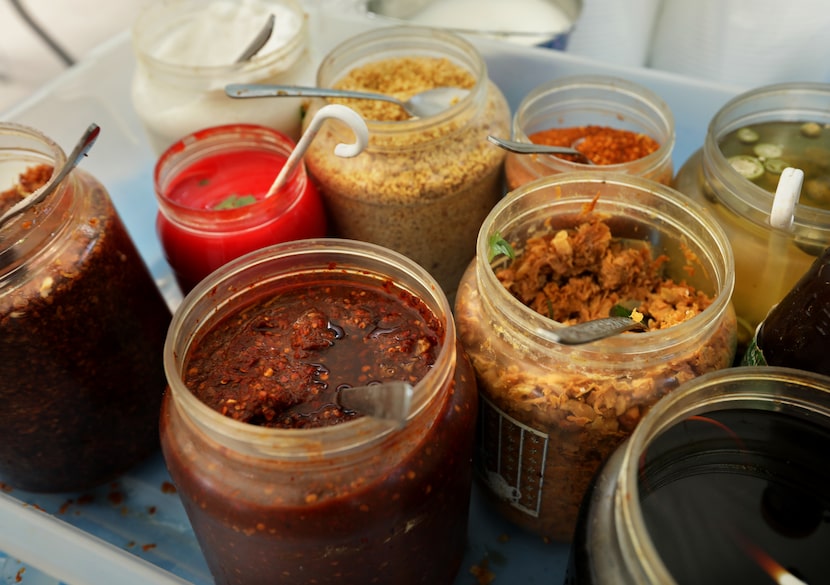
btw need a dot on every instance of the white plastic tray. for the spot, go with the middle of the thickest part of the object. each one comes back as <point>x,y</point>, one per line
<point>133,531</point>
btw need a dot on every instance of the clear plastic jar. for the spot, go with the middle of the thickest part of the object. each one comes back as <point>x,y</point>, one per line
<point>357,502</point>
<point>723,481</point>
<point>200,182</point>
<point>185,52</point>
<point>551,413</point>
<point>768,261</point>
<point>592,100</point>
<point>423,186</point>
<point>82,327</point>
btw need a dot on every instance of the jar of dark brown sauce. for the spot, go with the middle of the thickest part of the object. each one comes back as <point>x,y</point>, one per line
<point>82,328</point>
<point>725,480</point>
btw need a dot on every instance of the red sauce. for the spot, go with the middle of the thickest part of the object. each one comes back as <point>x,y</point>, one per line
<point>395,512</point>
<point>198,238</point>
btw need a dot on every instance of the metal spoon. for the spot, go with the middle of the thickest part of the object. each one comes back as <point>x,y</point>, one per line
<point>389,400</point>
<point>421,105</point>
<point>258,41</point>
<point>590,330</point>
<point>76,156</point>
<point>531,148</point>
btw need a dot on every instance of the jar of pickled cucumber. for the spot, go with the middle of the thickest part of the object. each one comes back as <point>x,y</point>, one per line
<point>749,142</point>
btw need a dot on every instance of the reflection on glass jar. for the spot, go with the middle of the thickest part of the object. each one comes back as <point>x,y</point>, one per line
<point>275,476</point>
<point>767,123</point>
<point>185,55</point>
<point>423,186</point>
<point>620,126</point>
<point>211,189</point>
<point>82,327</point>
<point>585,245</point>
<point>723,481</point>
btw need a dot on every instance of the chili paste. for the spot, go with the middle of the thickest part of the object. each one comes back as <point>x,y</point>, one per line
<point>280,361</point>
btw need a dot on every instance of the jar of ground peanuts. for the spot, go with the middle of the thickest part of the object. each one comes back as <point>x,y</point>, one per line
<point>566,249</point>
<point>282,481</point>
<point>82,328</point>
<point>619,125</point>
<point>423,186</point>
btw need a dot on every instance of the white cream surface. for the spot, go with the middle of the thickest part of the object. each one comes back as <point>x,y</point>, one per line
<point>217,35</point>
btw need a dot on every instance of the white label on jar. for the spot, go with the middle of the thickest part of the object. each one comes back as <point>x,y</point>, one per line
<point>218,34</point>
<point>511,458</point>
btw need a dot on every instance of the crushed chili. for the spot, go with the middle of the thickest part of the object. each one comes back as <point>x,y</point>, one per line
<point>603,145</point>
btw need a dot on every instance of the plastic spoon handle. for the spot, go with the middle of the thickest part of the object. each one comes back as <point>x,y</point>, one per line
<point>389,401</point>
<point>590,330</point>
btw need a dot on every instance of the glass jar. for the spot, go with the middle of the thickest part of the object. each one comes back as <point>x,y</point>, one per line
<point>357,502</point>
<point>211,189</point>
<point>551,413</point>
<point>423,186</point>
<point>768,261</point>
<point>723,481</point>
<point>82,327</point>
<point>185,52</point>
<point>593,100</point>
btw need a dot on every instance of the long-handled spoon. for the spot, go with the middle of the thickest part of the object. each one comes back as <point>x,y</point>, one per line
<point>421,105</point>
<point>76,156</point>
<point>531,148</point>
<point>590,330</point>
<point>258,41</point>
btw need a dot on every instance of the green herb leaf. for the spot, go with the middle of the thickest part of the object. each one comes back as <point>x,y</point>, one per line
<point>620,311</point>
<point>498,246</point>
<point>233,201</point>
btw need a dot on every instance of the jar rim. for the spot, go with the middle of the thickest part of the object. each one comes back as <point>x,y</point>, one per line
<point>785,389</point>
<point>689,213</point>
<point>354,258</point>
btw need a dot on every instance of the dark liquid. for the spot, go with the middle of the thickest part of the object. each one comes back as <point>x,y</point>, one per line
<point>738,497</point>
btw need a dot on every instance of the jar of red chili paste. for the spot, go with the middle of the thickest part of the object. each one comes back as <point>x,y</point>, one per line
<point>423,186</point>
<point>211,188</point>
<point>724,481</point>
<point>82,328</point>
<point>277,478</point>
<point>735,173</point>
<point>566,249</point>
<point>621,126</point>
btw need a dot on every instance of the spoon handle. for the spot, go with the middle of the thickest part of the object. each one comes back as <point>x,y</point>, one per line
<point>253,90</point>
<point>589,331</point>
<point>530,148</point>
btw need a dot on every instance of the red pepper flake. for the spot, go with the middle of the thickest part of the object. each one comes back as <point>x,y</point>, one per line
<point>115,497</point>
<point>603,145</point>
<point>4,487</point>
<point>168,488</point>
<point>19,576</point>
<point>64,507</point>
<point>151,510</point>
<point>148,547</point>
<point>483,575</point>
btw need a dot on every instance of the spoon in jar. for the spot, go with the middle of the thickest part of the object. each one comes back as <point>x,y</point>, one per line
<point>531,148</point>
<point>388,400</point>
<point>590,330</point>
<point>421,105</point>
<point>258,41</point>
<point>338,112</point>
<point>78,153</point>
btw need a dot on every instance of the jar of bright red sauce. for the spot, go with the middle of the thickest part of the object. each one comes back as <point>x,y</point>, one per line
<point>211,187</point>
<point>271,495</point>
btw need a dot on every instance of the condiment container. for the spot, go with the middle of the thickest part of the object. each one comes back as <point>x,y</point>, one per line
<point>185,55</point>
<point>770,120</point>
<point>211,188</point>
<point>627,128</point>
<point>356,502</point>
<point>796,332</point>
<point>423,186</point>
<point>724,481</point>
<point>551,413</point>
<point>82,327</point>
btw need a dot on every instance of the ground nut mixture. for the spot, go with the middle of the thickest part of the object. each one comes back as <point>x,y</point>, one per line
<point>550,418</point>
<point>422,187</point>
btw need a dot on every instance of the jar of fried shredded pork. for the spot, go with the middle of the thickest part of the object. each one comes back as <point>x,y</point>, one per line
<point>423,185</point>
<point>563,250</point>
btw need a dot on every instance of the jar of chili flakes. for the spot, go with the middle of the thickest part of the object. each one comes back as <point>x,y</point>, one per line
<point>277,479</point>
<point>423,186</point>
<point>620,126</point>
<point>82,327</point>
<point>585,246</point>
